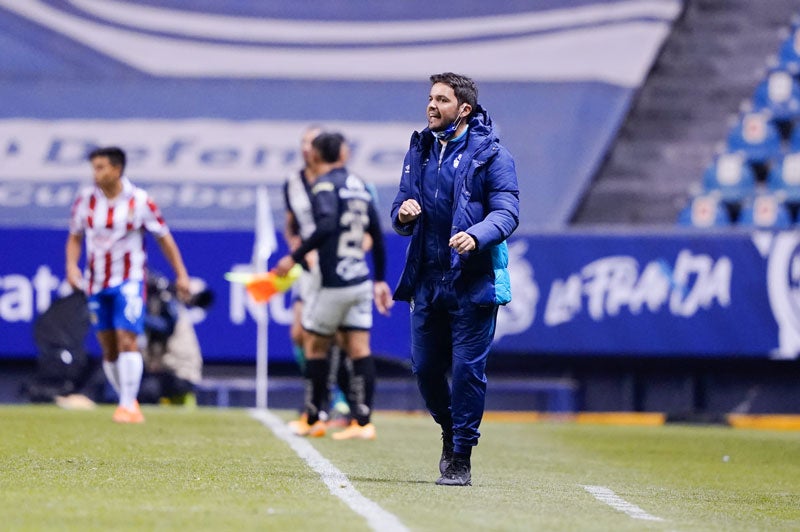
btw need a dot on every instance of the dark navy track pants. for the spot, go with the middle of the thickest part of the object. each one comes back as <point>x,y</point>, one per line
<point>449,333</point>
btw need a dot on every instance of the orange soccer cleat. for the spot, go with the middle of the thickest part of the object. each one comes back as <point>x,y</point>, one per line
<point>298,424</point>
<point>357,432</point>
<point>301,427</point>
<point>128,415</point>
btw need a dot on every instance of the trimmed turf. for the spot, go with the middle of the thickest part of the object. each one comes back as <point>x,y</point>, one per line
<point>214,469</point>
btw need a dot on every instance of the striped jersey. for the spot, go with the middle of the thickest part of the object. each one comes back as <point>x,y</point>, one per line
<point>114,233</point>
<point>297,195</point>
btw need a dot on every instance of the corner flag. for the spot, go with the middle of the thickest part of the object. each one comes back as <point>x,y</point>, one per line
<point>265,242</point>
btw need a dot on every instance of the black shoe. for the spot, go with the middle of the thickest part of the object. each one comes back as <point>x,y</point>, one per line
<point>447,452</point>
<point>456,474</point>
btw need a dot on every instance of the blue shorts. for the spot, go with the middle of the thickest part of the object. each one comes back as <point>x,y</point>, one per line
<point>120,307</point>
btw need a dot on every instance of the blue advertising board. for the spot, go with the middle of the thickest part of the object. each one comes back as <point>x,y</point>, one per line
<point>691,294</point>
<point>642,294</point>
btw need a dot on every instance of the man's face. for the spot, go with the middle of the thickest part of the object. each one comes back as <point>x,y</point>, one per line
<point>442,107</point>
<point>105,173</point>
<point>313,160</point>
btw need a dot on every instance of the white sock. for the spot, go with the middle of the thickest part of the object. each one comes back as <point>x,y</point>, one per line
<point>112,374</point>
<point>130,366</point>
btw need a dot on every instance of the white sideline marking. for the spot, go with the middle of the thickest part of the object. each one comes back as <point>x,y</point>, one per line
<point>377,518</point>
<point>610,498</point>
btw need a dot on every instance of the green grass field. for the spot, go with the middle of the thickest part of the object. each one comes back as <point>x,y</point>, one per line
<point>211,469</point>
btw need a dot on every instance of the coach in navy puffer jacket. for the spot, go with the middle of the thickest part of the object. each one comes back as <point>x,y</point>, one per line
<point>459,201</point>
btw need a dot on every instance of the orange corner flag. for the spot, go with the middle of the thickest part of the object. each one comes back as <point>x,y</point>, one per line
<point>262,286</point>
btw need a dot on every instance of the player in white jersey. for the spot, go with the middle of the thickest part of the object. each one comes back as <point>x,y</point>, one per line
<point>300,225</point>
<point>112,217</point>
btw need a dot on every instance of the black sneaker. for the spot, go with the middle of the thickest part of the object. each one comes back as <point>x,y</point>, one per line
<point>447,452</point>
<point>456,474</point>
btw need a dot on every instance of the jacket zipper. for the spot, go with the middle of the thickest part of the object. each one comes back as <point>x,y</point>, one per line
<point>436,198</point>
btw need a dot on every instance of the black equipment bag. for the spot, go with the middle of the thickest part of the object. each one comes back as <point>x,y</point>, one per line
<point>62,363</point>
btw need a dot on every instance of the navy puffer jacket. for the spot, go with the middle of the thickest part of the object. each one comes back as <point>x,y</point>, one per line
<point>485,205</point>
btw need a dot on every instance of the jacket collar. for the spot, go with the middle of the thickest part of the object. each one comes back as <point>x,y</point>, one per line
<point>480,133</point>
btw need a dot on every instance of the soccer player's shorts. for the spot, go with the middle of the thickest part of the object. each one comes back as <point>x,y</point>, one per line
<point>307,285</point>
<point>347,307</point>
<point>120,307</point>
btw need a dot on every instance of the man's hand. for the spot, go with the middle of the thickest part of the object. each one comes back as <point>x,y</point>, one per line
<point>462,242</point>
<point>283,266</point>
<point>383,297</point>
<point>366,244</point>
<point>75,276</point>
<point>294,242</point>
<point>409,211</point>
<point>182,288</point>
<point>311,258</point>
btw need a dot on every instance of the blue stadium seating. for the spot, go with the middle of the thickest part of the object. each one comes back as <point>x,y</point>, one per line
<point>756,177</point>
<point>704,211</point>
<point>766,211</point>
<point>758,137</point>
<point>784,177</point>
<point>779,93</point>
<point>731,176</point>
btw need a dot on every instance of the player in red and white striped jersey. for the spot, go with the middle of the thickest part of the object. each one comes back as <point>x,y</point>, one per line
<point>112,217</point>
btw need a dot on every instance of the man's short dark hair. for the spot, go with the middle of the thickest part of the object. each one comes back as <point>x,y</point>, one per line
<point>115,155</point>
<point>329,145</point>
<point>464,88</point>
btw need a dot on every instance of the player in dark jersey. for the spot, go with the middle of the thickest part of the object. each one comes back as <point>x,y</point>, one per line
<point>343,211</point>
<point>299,225</point>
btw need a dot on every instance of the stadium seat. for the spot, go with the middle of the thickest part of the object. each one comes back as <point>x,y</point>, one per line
<point>731,177</point>
<point>779,93</point>
<point>757,136</point>
<point>766,211</point>
<point>704,211</point>
<point>784,177</point>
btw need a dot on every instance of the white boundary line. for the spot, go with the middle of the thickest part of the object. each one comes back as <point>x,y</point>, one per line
<point>338,484</point>
<point>606,496</point>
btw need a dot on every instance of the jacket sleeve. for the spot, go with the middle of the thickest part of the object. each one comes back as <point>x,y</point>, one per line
<point>502,202</point>
<point>403,194</point>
